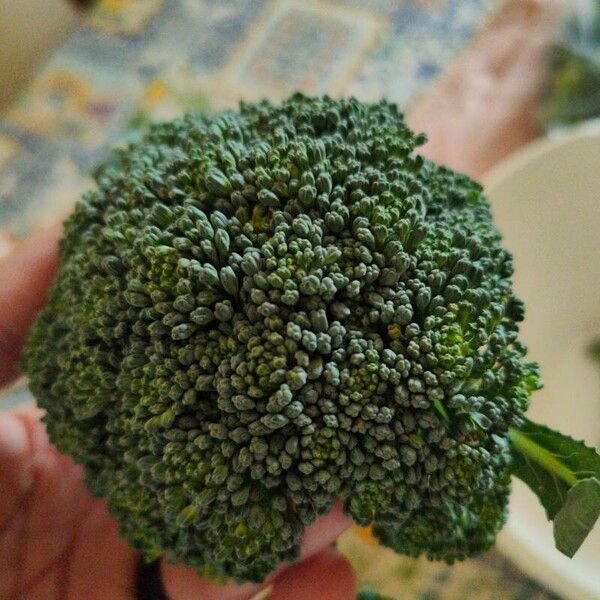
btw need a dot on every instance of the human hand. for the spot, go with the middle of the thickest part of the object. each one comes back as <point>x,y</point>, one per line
<point>56,540</point>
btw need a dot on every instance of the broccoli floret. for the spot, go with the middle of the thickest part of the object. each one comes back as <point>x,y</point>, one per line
<point>259,312</point>
<point>449,532</point>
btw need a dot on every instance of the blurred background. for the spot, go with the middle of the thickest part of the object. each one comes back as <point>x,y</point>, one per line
<point>482,78</point>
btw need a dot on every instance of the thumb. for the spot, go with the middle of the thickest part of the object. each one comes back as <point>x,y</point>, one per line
<point>183,583</point>
<point>25,276</point>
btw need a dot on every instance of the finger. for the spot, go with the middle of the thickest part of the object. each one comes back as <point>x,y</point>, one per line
<point>22,437</point>
<point>325,530</point>
<point>25,276</point>
<point>182,583</point>
<point>99,550</point>
<point>56,540</point>
<point>327,574</point>
<point>36,533</point>
<point>469,133</point>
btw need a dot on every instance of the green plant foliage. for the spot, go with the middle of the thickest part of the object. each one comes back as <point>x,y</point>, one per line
<point>578,515</point>
<point>573,90</point>
<point>565,475</point>
<point>260,312</point>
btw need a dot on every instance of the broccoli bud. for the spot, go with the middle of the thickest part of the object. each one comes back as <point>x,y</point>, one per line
<point>259,312</point>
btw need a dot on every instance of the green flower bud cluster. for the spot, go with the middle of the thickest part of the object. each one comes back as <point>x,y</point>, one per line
<point>260,312</point>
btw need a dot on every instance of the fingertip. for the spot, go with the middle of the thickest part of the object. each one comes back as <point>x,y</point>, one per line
<point>32,415</point>
<point>22,434</point>
<point>183,583</point>
<point>36,255</point>
<point>14,441</point>
<point>16,471</point>
<point>25,276</point>
<point>327,574</point>
<point>325,530</point>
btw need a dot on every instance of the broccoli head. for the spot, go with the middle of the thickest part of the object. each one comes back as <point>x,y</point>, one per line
<point>260,312</point>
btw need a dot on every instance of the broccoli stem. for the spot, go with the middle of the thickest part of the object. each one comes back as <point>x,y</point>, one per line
<point>541,456</point>
<point>441,409</point>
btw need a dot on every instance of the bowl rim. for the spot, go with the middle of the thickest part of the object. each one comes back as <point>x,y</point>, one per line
<point>537,560</point>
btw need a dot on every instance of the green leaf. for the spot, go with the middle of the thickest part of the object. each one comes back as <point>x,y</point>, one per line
<point>564,474</point>
<point>576,518</point>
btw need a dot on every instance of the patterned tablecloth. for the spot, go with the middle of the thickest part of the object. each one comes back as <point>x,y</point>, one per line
<point>133,61</point>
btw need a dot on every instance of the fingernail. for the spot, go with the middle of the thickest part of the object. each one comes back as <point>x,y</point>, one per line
<point>16,472</point>
<point>264,594</point>
<point>7,244</point>
<point>13,436</point>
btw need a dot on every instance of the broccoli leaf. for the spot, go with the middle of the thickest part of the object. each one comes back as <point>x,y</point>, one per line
<point>565,475</point>
<point>576,518</point>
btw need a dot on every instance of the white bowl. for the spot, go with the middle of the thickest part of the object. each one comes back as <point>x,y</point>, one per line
<point>546,201</point>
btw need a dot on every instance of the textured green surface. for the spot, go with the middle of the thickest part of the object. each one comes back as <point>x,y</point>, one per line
<point>260,312</point>
<point>123,64</point>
